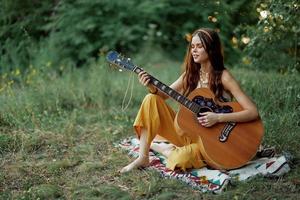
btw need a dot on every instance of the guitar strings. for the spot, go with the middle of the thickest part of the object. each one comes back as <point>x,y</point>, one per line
<point>130,81</point>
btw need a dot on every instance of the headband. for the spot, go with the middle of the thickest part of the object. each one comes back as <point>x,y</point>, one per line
<point>206,33</point>
<point>189,36</point>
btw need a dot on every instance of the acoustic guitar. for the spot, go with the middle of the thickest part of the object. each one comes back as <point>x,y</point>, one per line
<point>227,145</point>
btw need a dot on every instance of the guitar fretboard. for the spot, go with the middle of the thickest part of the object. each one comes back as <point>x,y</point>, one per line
<point>194,107</point>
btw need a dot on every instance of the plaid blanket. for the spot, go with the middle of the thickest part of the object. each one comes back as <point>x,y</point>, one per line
<point>209,180</point>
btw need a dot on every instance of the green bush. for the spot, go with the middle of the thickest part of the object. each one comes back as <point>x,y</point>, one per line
<point>21,24</point>
<point>87,27</point>
<point>35,33</point>
<point>274,43</point>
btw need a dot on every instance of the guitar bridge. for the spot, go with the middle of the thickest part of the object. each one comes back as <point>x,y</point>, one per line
<point>226,131</point>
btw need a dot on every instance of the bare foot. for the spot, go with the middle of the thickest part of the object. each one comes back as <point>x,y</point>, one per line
<point>139,162</point>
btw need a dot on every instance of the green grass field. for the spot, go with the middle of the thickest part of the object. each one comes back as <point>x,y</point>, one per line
<point>57,134</point>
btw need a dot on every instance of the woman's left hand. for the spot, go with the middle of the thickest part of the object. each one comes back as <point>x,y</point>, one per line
<point>208,119</point>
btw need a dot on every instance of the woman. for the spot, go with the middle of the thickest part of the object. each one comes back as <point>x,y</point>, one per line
<point>204,67</point>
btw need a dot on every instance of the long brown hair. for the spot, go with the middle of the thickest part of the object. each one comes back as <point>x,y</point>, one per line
<point>212,45</point>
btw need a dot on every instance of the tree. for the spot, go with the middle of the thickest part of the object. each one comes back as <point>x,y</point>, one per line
<point>273,42</point>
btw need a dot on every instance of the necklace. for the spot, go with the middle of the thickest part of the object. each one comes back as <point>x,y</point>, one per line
<point>203,79</point>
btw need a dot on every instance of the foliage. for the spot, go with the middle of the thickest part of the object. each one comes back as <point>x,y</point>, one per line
<point>20,31</point>
<point>274,41</point>
<point>87,27</point>
<point>75,31</point>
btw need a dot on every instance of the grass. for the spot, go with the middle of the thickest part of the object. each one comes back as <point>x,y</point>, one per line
<point>57,135</point>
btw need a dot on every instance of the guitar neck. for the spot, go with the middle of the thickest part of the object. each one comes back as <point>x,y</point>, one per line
<point>194,107</point>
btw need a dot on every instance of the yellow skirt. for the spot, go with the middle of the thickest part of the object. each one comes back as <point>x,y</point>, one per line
<point>158,119</point>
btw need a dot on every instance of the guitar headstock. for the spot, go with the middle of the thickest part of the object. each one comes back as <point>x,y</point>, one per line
<point>117,59</point>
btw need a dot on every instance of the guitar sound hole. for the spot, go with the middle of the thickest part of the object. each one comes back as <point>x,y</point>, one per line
<point>208,105</point>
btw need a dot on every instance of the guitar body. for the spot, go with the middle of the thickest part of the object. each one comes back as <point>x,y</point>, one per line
<point>241,142</point>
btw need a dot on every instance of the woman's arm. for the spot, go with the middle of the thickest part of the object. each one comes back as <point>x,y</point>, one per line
<point>248,113</point>
<point>145,80</point>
